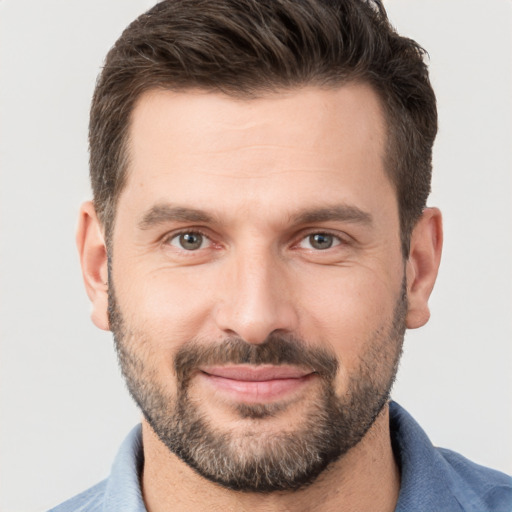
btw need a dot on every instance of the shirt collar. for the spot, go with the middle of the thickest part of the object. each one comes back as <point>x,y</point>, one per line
<point>123,491</point>
<point>426,479</point>
<point>423,475</point>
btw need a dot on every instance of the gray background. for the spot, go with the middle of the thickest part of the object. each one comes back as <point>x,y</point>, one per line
<point>64,410</point>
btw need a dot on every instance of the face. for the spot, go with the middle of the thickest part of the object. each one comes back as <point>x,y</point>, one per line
<point>256,285</point>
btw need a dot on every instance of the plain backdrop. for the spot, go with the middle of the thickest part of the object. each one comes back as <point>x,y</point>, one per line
<point>64,409</point>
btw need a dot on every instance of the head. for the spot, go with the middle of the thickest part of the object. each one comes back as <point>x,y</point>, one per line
<point>250,48</point>
<point>258,241</point>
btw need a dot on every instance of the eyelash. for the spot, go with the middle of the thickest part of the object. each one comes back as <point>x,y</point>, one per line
<point>167,239</point>
<point>339,240</point>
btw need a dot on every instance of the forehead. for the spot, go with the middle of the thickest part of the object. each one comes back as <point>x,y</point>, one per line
<point>297,143</point>
<point>314,116</point>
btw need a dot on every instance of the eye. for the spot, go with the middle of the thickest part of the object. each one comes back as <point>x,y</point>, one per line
<point>319,241</point>
<point>189,241</point>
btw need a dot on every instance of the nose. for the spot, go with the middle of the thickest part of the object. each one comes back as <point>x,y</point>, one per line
<point>255,298</point>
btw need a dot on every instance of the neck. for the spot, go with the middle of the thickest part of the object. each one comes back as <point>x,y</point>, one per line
<point>365,478</point>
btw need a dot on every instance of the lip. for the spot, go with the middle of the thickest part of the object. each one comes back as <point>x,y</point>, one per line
<point>256,373</point>
<point>256,384</point>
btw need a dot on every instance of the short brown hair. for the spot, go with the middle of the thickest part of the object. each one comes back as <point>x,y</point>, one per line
<point>246,48</point>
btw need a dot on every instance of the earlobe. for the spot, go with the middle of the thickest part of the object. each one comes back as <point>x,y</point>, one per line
<point>422,265</point>
<point>94,261</point>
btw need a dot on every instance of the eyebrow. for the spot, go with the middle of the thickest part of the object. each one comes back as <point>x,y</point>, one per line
<point>345,213</point>
<point>162,213</point>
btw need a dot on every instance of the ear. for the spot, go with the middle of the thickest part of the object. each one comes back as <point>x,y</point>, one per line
<point>422,265</point>
<point>93,258</point>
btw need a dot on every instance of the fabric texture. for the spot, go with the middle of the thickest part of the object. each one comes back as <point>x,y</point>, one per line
<point>432,479</point>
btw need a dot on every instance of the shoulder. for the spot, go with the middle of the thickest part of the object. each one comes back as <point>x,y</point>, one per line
<point>438,479</point>
<point>477,485</point>
<point>90,500</point>
<point>121,490</point>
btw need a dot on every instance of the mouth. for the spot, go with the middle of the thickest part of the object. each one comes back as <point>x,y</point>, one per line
<point>256,384</point>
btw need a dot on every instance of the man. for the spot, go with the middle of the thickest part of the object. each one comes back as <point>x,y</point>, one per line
<point>258,243</point>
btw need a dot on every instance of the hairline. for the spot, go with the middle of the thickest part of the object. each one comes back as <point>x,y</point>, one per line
<point>390,143</point>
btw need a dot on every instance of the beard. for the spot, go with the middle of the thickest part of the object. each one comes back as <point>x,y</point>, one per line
<point>252,458</point>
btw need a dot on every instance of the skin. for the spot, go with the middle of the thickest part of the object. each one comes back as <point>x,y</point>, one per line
<point>257,168</point>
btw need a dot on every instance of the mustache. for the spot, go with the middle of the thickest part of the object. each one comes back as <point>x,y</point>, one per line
<point>275,350</point>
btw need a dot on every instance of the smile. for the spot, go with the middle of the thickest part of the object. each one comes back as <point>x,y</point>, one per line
<point>256,384</point>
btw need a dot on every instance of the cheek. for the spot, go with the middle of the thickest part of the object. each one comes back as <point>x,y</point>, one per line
<point>167,305</point>
<point>160,314</point>
<point>346,310</point>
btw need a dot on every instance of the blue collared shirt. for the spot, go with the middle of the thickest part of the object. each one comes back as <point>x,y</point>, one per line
<point>432,479</point>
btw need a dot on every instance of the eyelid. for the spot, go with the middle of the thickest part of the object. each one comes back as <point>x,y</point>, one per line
<point>168,237</point>
<point>342,238</point>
